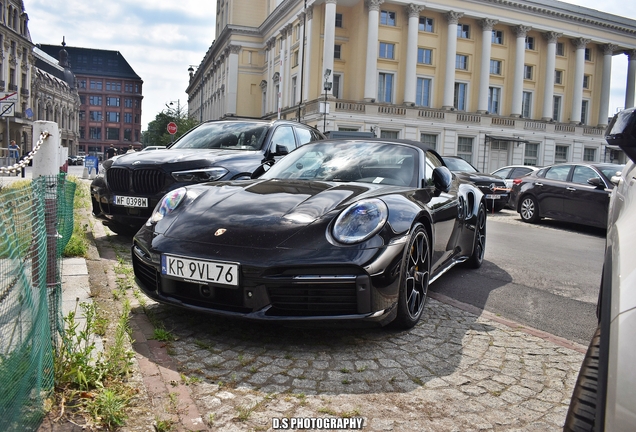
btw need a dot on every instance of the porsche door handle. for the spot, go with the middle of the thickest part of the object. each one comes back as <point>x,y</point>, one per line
<point>571,189</point>
<point>538,184</point>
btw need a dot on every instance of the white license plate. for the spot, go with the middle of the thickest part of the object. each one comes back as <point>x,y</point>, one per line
<point>127,201</point>
<point>196,270</point>
<point>493,196</point>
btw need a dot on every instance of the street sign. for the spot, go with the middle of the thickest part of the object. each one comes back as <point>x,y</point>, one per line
<point>172,128</point>
<point>7,104</point>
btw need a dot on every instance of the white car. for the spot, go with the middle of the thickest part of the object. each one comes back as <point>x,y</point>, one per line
<point>511,172</point>
<point>604,398</point>
<point>153,148</point>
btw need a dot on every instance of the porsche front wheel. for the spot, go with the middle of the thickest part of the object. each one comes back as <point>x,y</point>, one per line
<point>416,267</point>
<point>479,246</point>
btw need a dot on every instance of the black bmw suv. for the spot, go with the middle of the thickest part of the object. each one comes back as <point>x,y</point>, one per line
<point>132,184</point>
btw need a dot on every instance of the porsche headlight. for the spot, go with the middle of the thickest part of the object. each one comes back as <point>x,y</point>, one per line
<point>360,221</point>
<point>200,174</point>
<point>167,204</point>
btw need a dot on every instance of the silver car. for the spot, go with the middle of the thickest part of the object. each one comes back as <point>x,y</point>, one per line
<point>604,398</point>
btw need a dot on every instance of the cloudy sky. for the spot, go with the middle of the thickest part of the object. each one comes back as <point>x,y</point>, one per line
<point>161,39</point>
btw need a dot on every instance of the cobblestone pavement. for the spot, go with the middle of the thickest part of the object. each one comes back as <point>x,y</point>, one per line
<point>454,371</point>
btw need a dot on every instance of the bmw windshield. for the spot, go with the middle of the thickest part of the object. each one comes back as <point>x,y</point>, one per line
<point>234,135</point>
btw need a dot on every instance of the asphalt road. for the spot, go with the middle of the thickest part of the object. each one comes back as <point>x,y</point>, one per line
<point>544,276</point>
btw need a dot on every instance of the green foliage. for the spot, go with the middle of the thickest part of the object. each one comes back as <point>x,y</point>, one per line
<point>157,133</point>
<point>77,245</point>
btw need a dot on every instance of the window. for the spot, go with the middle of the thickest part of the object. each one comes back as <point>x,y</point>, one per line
<point>96,85</point>
<point>95,100</point>
<point>95,116</point>
<point>387,18</point>
<point>112,116</point>
<point>588,54</point>
<point>112,134</point>
<point>386,50</point>
<point>465,148</point>
<point>561,154</point>
<point>426,24</point>
<point>556,108</point>
<point>461,62</point>
<point>339,20</point>
<point>527,72</point>
<point>494,96</point>
<point>497,37</point>
<point>589,154</point>
<point>127,134</point>
<point>83,99</point>
<point>95,133</point>
<point>460,96</point>
<point>113,86</point>
<point>531,155</point>
<point>128,103</point>
<point>582,174</point>
<point>81,84</point>
<point>296,55</point>
<point>529,43</point>
<point>560,172</point>
<point>463,31</point>
<point>389,134</point>
<point>82,115</point>
<point>558,77</point>
<point>424,56</point>
<point>586,81</point>
<point>335,90</point>
<point>294,86</point>
<point>337,53</point>
<point>584,109</point>
<point>128,87</point>
<point>127,118</point>
<point>385,87</point>
<point>560,49</point>
<point>112,101</point>
<point>423,92</point>
<point>284,135</point>
<point>429,139</point>
<point>526,104</point>
<point>137,88</point>
<point>495,67</point>
<point>82,132</point>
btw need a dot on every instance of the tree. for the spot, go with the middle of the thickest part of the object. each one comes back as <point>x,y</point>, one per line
<point>157,133</point>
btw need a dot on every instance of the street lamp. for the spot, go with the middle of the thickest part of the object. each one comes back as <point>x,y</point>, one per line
<point>327,88</point>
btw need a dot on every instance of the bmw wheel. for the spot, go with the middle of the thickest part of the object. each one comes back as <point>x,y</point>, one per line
<point>416,267</point>
<point>529,209</point>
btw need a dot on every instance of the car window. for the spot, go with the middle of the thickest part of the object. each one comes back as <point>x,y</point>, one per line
<point>520,172</point>
<point>503,172</point>
<point>559,172</point>
<point>610,171</point>
<point>236,135</point>
<point>284,135</point>
<point>304,136</point>
<point>315,136</point>
<point>582,174</point>
<point>432,162</point>
<point>460,165</point>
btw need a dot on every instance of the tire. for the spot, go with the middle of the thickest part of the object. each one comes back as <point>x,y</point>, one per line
<point>415,273</point>
<point>529,209</point>
<point>582,414</point>
<point>479,244</point>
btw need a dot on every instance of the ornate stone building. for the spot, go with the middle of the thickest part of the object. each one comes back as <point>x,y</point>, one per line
<point>495,82</point>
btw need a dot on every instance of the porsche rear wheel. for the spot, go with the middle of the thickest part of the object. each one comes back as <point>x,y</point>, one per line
<point>416,267</point>
<point>479,246</point>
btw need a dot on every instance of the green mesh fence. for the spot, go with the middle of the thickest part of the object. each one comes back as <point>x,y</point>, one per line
<point>36,218</point>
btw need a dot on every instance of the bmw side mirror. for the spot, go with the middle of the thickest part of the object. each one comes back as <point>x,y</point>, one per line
<point>281,150</point>
<point>442,178</point>
<point>262,169</point>
<point>596,182</point>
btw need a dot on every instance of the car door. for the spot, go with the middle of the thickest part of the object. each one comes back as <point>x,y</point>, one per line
<point>550,190</point>
<point>584,203</point>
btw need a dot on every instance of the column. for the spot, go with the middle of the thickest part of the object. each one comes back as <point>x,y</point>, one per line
<point>484,76</point>
<point>232,78</point>
<point>310,20</point>
<point>548,90</point>
<point>301,62</point>
<point>631,78</point>
<point>282,67</point>
<point>330,40</point>
<point>577,93</point>
<point>517,86</point>
<point>288,43</point>
<point>608,51</point>
<point>271,50</point>
<point>371,75</point>
<point>413,12</point>
<point>451,52</point>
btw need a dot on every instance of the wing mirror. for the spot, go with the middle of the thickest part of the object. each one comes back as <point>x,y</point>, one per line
<point>596,182</point>
<point>442,178</point>
<point>281,150</point>
<point>262,169</point>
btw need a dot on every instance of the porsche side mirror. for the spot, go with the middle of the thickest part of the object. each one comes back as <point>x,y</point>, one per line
<point>596,182</point>
<point>442,178</point>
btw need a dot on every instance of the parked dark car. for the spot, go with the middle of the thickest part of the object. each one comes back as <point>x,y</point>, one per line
<point>604,397</point>
<point>336,230</point>
<point>132,184</point>
<point>572,192</point>
<point>492,186</point>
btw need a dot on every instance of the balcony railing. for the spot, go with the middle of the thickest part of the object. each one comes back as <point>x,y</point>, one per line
<point>24,91</point>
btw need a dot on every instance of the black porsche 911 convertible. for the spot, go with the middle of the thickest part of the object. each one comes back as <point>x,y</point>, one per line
<point>336,230</point>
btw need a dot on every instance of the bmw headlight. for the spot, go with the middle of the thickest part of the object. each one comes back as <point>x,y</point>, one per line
<point>200,174</point>
<point>167,204</point>
<point>360,221</point>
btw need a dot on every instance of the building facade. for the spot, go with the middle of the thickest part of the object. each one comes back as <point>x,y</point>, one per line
<point>111,99</point>
<point>495,82</point>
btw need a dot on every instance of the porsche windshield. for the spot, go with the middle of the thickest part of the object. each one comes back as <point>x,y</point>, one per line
<point>235,135</point>
<point>385,163</point>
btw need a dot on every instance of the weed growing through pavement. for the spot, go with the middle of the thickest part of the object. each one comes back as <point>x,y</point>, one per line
<point>162,335</point>
<point>243,413</point>
<point>163,425</point>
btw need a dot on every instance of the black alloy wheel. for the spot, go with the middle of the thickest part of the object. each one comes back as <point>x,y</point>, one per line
<point>529,209</point>
<point>416,267</point>
<point>479,247</point>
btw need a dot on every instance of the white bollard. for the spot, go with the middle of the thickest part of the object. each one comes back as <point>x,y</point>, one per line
<point>85,173</point>
<point>46,160</point>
